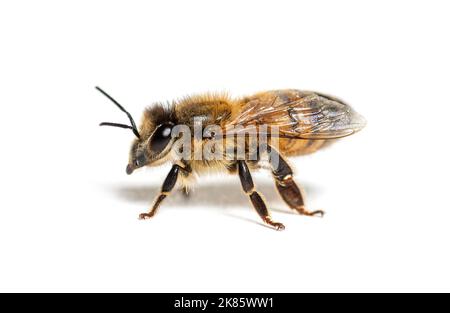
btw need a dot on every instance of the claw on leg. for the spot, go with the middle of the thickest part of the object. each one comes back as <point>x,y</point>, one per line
<point>278,226</point>
<point>303,211</point>
<point>146,216</point>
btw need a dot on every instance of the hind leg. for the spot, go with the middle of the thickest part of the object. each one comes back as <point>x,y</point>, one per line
<point>286,185</point>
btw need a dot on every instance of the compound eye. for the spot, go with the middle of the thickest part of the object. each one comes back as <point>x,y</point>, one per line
<point>161,138</point>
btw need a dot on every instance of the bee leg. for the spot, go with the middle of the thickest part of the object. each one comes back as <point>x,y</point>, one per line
<point>167,187</point>
<point>185,192</point>
<point>255,197</point>
<point>286,185</point>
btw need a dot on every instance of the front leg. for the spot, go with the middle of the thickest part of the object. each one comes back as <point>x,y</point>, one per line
<point>167,187</point>
<point>185,191</point>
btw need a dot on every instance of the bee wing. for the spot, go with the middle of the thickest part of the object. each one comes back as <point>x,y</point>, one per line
<point>297,115</point>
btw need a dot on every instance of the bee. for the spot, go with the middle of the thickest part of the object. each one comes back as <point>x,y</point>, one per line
<point>304,122</point>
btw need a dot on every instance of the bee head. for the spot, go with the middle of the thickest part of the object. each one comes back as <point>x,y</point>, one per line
<point>152,148</point>
<point>153,140</point>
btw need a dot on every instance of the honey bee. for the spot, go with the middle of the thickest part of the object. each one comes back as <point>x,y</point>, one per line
<point>291,122</point>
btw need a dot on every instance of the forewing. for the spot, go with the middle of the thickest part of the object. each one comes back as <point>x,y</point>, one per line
<point>297,114</point>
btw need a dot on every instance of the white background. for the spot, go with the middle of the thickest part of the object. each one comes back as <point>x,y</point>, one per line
<point>68,212</point>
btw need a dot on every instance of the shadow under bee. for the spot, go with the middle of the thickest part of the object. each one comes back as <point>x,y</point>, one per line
<point>218,195</point>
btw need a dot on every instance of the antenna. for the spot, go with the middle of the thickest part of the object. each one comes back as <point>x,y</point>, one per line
<point>133,124</point>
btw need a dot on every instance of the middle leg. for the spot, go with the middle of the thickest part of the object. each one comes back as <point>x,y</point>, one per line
<point>255,197</point>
